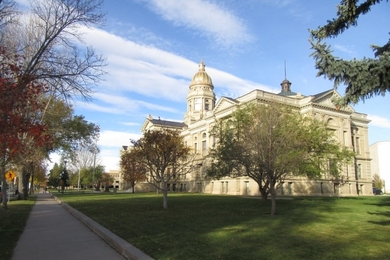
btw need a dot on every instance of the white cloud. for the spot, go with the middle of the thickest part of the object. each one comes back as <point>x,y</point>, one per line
<point>379,121</point>
<point>151,72</point>
<point>346,49</point>
<point>110,143</point>
<point>115,104</point>
<point>116,139</point>
<point>208,19</point>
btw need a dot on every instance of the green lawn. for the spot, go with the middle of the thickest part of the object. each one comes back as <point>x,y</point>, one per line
<point>228,227</point>
<point>12,223</point>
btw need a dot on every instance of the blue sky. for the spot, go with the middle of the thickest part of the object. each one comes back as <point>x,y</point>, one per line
<point>153,48</point>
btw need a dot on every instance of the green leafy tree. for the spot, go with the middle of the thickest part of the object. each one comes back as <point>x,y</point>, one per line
<point>132,167</point>
<point>166,157</point>
<point>363,78</point>
<point>91,176</point>
<point>271,142</point>
<point>54,176</point>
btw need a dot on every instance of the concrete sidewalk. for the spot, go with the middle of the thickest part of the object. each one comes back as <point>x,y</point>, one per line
<point>53,232</point>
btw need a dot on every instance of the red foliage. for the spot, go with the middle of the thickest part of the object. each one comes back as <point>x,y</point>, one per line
<point>19,103</point>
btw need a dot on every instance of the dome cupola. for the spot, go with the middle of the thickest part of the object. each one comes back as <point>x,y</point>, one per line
<point>201,97</point>
<point>201,77</point>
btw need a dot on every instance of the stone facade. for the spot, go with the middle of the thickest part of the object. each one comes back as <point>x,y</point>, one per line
<point>380,163</point>
<point>349,126</point>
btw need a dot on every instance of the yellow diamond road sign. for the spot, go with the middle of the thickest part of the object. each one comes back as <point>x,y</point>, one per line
<point>10,175</point>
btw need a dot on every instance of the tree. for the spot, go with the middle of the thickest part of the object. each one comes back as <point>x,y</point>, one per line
<point>132,167</point>
<point>67,131</point>
<point>271,142</point>
<point>53,60</point>
<point>363,78</point>
<point>107,180</point>
<point>82,158</point>
<point>52,44</point>
<point>54,176</point>
<point>18,97</point>
<point>377,182</point>
<point>166,157</point>
<point>64,177</point>
<point>8,12</point>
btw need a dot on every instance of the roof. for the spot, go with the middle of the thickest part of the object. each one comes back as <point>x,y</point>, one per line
<point>322,93</point>
<point>287,93</point>
<point>167,123</point>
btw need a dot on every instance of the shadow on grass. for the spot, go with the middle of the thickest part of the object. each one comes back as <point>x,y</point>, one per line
<point>229,227</point>
<point>384,211</point>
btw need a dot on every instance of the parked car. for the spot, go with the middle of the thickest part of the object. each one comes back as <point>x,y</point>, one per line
<point>377,191</point>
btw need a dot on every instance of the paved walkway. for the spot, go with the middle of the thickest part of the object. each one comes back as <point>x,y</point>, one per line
<point>53,233</point>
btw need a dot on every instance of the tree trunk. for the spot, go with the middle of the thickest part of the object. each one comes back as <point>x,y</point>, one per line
<point>263,193</point>
<point>32,184</point>
<point>263,189</point>
<point>25,178</point>
<point>4,188</point>
<point>20,186</point>
<point>133,187</point>
<point>273,199</point>
<point>165,196</point>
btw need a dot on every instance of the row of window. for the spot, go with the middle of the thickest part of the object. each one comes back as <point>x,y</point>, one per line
<point>198,105</point>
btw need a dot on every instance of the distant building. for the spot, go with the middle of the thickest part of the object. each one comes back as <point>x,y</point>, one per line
<point>349,126</point>
<point>116,175</point>
<point>380,163</point>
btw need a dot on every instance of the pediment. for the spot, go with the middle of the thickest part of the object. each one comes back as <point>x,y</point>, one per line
<point>146,125</point>
<point>326,100</point>
<point>225,103</point>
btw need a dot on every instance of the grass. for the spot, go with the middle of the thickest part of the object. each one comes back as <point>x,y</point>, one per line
<point>12,223</point>
<point>227,227</point>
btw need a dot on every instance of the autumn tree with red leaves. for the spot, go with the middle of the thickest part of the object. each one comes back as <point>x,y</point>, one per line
<point>19,98</point>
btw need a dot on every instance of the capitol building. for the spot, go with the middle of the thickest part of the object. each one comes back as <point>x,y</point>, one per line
<point>203,110</point>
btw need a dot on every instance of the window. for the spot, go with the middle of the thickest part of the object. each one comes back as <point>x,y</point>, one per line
<point>359,170</point>
<point>345,138</point>
<point>196,147</point>
<point>289,188</point>
<point>199,187</point>
<point>224,187</point>
<point>204,146</point>
<point>207,105</point>
<point>357,145</point>
<point>198,104</point>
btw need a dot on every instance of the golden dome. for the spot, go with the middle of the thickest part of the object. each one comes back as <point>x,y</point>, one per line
<point>201,77</point>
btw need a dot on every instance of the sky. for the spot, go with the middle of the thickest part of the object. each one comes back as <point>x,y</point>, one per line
<point>153,48</point>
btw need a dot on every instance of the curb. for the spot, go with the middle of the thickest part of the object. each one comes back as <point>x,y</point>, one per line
<point>122,246</point>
